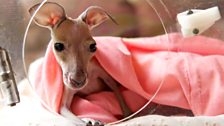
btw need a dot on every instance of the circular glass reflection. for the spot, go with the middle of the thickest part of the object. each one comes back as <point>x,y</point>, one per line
<point>94,72</point>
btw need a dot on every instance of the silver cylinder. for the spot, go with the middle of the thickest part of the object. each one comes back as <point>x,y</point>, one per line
<point>8,87</point>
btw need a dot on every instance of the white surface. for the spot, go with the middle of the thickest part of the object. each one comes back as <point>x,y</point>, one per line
<point>155,120</point>
<point>30,113</point>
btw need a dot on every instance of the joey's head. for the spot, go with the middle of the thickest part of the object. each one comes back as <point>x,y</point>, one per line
<point>73,45</point>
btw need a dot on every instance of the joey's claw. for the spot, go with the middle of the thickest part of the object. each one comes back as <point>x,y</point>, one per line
<point>91,122</point>
<point>98,123</point>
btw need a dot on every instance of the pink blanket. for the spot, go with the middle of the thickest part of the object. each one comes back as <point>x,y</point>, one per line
<point>191,71</point>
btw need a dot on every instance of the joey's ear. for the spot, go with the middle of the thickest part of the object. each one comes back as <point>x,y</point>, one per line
<point>94,15</point>
<point>49,15</point>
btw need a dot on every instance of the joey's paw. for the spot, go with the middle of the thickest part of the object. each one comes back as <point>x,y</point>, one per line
<point>92,122</point>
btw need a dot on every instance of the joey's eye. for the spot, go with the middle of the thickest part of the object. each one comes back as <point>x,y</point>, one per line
<point>59,47</point>
<point>92,47</point>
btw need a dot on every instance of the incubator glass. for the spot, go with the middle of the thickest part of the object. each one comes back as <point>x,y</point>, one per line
<point>163,53</point>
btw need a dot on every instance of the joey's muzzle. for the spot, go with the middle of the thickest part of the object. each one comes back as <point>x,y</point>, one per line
<point>77,80</point>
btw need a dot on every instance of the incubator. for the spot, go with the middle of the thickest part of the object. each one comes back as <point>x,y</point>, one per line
<point>166,56</point>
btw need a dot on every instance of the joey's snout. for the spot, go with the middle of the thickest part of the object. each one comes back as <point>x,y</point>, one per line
<point>76,79</point>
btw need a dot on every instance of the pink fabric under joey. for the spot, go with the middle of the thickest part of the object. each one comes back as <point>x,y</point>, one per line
<point>191,71</point>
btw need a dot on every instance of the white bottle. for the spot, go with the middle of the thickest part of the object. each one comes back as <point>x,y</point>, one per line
<point>195,21</point>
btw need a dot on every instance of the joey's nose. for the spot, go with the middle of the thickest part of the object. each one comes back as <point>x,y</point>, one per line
<point>78,82</point>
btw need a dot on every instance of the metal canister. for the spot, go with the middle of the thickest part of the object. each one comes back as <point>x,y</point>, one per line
<point>8,87</point>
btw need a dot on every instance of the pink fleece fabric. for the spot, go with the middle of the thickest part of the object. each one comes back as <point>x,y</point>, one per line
<point>191,71</point>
